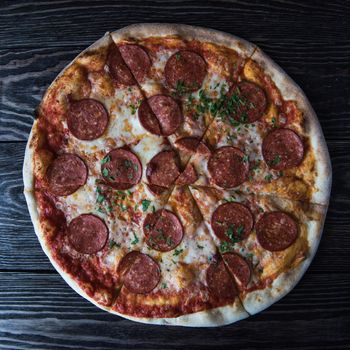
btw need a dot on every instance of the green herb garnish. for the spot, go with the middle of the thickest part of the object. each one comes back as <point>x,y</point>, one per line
<point>105,172</point>
<point>113,244</point>
<point>106,159</point>
<point>145,204</point>
<point>100,198</point>
<point>276,160</point>
<point>136,240</point>
<point>178,252</point>
<point>268,177</point>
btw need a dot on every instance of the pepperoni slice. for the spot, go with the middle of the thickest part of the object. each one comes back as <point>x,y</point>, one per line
<point>282,149</point>
<point>185,71</point>
<point>148,119</point>
<point>249,101</point>
<point>276,231</point>
<point>87,234</point>
<point>168,113</point>
<point>192,145</point>
<point>163,230</point>
<point>139,272</point>
<point>163,169</point>
<point>87,119</point>
<point>232,222</point>
<point>188,176</point>
<point>238,267</point>
<point>188,144</point>
<point>220,282</point>
<point>228,167</point>
<point>157,190</point>
<point>137,60</point>
<point>126,263</point>
<point>66,174</point>
<point>121,168</point>
<point>118,69</point>
<point>160,115</point>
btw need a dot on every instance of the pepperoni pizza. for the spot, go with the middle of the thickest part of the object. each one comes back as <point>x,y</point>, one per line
<point>176,175</point>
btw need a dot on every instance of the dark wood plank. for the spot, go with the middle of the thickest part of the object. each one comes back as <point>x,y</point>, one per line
<point>25,74</point>
<point>73,22</point>
<point>20,250</point>
<point>31,305</point>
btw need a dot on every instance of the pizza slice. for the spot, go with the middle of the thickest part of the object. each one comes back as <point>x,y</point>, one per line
<point>266,242</point>
<point>266,139</point>
<point>176,274</point>
<point>177,76</point>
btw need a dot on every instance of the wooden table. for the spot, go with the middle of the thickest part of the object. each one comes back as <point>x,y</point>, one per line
<point>310,40</point>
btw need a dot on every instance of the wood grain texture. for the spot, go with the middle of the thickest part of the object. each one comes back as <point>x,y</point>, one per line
<point>60,319</point>
<point>310,40</point>
<point>66,22</point>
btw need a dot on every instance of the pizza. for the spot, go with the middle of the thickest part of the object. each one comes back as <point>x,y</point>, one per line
<point>176,175</point>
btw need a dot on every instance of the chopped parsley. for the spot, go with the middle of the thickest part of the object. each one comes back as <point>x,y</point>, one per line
<point>133,108</point>
<point>276,160</point>
<point>113,244</point>
<point>250,255</point>
<point>268,177</point>
<point>100,198</point>
<point>178,252</point>
<point>153,209</point>
<point>170,242</point>
<point>245,159</point>
<point>177,56</point>
<point>273,121</point>
<point>105,172</point>
<point>123,207</point>
<point>145,204</point>
<point>234,235</point>
<point>230,199</point>
<point>106,159</point>
<point>164,285</point>
<point>225,247</point>
<point>180,87</point>
<point>128,163</point>
<point>136,240</point>
<point>240,230</point>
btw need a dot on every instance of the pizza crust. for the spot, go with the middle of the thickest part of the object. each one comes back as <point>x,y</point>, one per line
<point>290,90</point>
<point>259,300</point>
<point>285,282</point>
<point>145,30</point>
